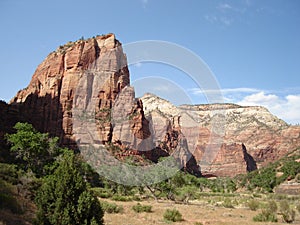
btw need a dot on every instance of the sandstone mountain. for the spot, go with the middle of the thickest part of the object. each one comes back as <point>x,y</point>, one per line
<point>228,139</point>
<point>81,93</point>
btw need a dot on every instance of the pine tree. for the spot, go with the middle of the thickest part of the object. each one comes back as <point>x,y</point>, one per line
<point>65,199</point>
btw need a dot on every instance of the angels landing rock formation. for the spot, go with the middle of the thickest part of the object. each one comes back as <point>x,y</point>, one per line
<point>91,76</point>
<point>47,101</point>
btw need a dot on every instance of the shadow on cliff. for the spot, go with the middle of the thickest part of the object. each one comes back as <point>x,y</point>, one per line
<point>44,113</point>
<point>251,164</point>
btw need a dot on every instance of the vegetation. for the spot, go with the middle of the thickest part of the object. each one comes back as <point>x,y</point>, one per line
<point>253,205</point>
<point>287,213</point>
<point>172,215</point>
<point>51,176</point>
<point>64,197</point>
<point>7,199</point>
<point>35,151</point>
<point>266,179</point>
<point>111,207</point>
<point>142,208</point>
<point>64,187</point>
<point>268,214</point>
<point>265,216</point>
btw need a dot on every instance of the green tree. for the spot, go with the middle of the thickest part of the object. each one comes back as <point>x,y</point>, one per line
<point>34,150</point>
<point>65,199</point>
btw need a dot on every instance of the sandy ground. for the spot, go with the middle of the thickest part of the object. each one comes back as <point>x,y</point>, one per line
<point>192,213</point>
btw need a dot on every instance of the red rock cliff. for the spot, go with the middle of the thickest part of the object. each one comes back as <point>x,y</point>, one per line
<point>48,100</point>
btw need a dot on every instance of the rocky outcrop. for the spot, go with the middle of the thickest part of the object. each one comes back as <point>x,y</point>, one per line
<point>226,139</point>
<point>81,93</point>
<point>80,73</point>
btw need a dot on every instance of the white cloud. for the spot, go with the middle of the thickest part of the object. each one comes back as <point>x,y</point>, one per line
<point>286,108</point>
<point>211,18</point>
<point>259,99</point>
<point>226,21</point>
<point>224,6</point>
<point>144,2</point>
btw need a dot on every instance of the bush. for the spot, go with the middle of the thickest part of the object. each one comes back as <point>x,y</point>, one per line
<point>9,173</point>
<point>7,199</point>
<point>253,205</point>
<point>64,197</point>
<point>172,215</point>
<point>272,206</point>
<point>101,192</point>
<point>121,198</point>
<point>9,202</point>
<point>228,203</point>
<point>288,214</point>
<point>265,216</point>
<point>111,207</point>
<point>298,208</point>
<point>142,208</point>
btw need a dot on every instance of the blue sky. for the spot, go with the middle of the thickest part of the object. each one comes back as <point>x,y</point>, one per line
<point>251,46</point>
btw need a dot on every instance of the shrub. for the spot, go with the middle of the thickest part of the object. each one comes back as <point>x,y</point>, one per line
<point>265,216</point>
<point>142,208</point>
<point>121,198</point>
<point>272,206</point>
<point>9,173</point>
<point>111,207</point>
<point>64,197</point>
<point>253,205</point>
<point>298,207</point>
<point>9,202</point>
<point>101,192</point>
<point>288,214</point>
<point>228,203</point>
<point>172,215</point>
<point>7,199</point>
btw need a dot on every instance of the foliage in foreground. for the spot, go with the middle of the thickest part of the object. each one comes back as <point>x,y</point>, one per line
<point>111,207</point>
<point>64,197</point>
<point>172,215</point>
<point>268,214</point>
<point>35,151</point>
<point>287,213</point>
<point>265,216</point>
<point>253,204</point>
<point>142,208</point>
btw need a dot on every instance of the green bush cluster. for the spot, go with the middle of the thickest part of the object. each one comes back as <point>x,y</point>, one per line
<point>173,215</point>
<point>227,203</point>
<point>288,214</point>
<point>7,199</point>
<point>111,207</point>
<point>265,179</point>
<point>142,208</point>
<point>268,214</point>
<point>253,205</point>
<point>55,178</point>
<point>265,216</point>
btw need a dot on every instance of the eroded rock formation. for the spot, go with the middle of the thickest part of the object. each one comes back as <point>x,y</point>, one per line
<point>226,139</point>
<point>84,88</point>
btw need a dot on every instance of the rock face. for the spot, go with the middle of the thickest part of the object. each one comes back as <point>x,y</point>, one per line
<point>226,139</point>
<point>81,94</point>
<point>83,88</point>
<point>93,70</point>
